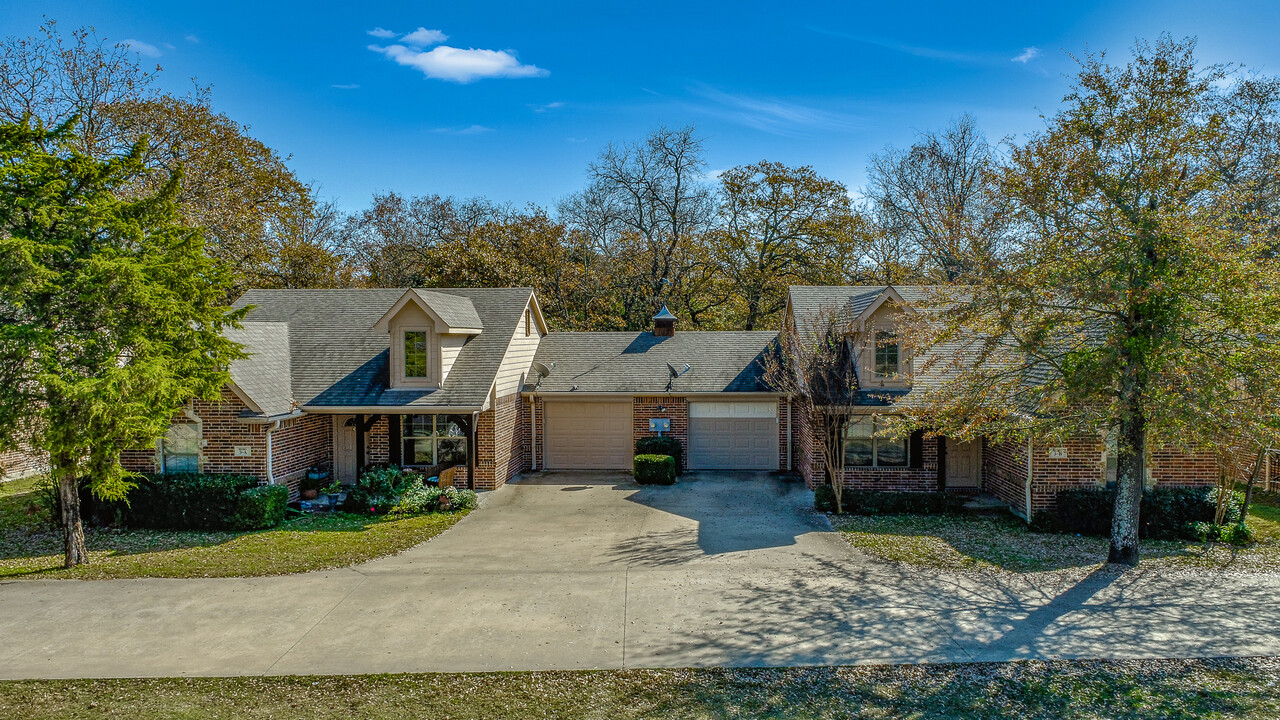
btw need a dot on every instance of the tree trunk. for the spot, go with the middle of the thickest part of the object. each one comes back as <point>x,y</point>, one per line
<point>1130,480</point>
<point>1253,479</point>
<point>69,499</point>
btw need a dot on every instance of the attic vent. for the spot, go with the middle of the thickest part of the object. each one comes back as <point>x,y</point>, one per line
<point>664,323</point>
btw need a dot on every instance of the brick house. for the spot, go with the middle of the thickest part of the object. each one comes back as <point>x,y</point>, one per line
<point>471,378</point>
<point>446,377</point>
<point>1023,475</point>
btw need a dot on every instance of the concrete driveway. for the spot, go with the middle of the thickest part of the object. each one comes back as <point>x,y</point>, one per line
<point>590,571</point>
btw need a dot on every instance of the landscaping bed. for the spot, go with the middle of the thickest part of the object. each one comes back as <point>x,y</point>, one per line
<point>1065,689</point>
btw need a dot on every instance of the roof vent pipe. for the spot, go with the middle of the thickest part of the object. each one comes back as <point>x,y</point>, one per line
<point>664,323</point>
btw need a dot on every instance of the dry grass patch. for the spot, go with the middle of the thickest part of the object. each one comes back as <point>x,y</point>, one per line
<point>1067,690</point>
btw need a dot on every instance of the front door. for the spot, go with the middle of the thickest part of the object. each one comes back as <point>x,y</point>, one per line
<point>963,464</point>
<point>344,448</point>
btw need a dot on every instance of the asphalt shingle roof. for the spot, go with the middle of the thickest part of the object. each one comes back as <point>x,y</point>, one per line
<point>265,376</point>
<point>635,362</point>
<point>455,310</point>
<point>339,360</point>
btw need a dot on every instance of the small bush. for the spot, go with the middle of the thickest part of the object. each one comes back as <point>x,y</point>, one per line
<point>665,445</point>
<point>378,490</point>
<point>867,502</point>
<point>1166,513</point>
<point>464,499</point>
<point>417,499</point>
<point>1239,534</point>
<point>262,507</point>
<point>655,469</point>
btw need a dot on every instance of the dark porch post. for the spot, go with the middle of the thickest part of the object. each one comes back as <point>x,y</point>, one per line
<point>359,445</point>
<point>393,440</point>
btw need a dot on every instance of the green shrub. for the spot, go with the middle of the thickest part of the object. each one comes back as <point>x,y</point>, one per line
<point>1166,513</point>
<point>186,501</point>
<point>665,445</point>
<point>464,499</point>
<point>655,469</point>
<point>417,499</point>
<point>262,507</point>
<point>378,490</point>
<point>876,502</point>
<point>1239,534</point>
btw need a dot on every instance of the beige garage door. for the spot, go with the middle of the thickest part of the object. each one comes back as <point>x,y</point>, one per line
<point>588,435</point>
<point>733,436</point>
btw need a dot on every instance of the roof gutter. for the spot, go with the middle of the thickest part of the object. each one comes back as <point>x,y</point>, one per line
<point>268,419</point>
<point>393,409</point>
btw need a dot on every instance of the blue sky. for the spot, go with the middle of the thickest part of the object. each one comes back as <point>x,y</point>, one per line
<point>512,100</point>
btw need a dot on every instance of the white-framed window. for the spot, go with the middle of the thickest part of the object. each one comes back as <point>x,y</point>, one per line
<point>886,354</point>
<point>180,449</point>
<point>416,346</point>
<point>434,439</point>
<point>863,449</point>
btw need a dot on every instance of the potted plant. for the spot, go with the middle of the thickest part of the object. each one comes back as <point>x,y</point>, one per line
<point>336,492</point>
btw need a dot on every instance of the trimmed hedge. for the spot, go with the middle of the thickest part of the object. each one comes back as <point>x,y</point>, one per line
<point>665,445</point>
<point>262,507</point>
<point>655,469</point>
<point>1166,513</point>
<point>868,502</point>
<point>190,501</point>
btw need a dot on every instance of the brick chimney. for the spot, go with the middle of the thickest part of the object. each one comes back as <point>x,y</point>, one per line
<point>664,323</point>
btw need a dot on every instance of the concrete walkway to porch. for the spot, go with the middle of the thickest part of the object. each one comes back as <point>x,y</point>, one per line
<point>573,571</point>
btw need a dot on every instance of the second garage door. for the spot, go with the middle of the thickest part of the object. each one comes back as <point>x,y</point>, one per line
<point>733,436</point>
<point>587,435</point>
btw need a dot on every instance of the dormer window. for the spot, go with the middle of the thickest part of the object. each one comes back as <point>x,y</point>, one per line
<point>415,354</point>
<point>886,354</point>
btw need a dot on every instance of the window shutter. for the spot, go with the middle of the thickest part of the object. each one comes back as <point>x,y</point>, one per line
<point>917,449</point>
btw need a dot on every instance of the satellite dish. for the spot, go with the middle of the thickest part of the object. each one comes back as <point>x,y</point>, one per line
<point>672,371</point>
<point>543,369</point>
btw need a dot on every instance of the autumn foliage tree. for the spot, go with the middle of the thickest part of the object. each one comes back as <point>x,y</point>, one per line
<point>1138,300</point>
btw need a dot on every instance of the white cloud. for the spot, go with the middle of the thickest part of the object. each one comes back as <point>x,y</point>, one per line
<point>142,48</point>
<point>345,86</point>
<point>423,37</point>
<point>1028,54</point>
<point>575,139</point>
<point>458,65</point>
<point>548,106</point>
<point>381,33</point>
<point>192,39</point>
<point>469,130</point>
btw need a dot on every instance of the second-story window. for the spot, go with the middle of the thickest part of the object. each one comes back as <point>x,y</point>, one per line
<point>415,354</point>
<point>886,353</point>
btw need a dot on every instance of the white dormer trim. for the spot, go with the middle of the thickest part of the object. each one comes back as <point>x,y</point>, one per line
<point>244,397</point>
<point>411,296</point>
<point>889,293</point>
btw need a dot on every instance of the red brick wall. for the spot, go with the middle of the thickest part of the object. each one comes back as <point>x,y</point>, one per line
<point>22,462</point>
<point>221,432</point>
<point>299,444</point>
<point>500,436</point>
<point>1004,472</point>
<point>675,409</point>
<point>805,448</point>
<point>1171,467</point>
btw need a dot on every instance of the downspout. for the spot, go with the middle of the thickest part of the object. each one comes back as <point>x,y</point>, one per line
<point>1028,496</point>
<point>271,475</point>
<point>533,432</point>
<point>472,449</point>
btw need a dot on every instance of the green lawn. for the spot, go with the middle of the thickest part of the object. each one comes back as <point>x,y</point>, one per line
<point>1058,690</point>
<point>29,548</point>
<point>1003,543</point>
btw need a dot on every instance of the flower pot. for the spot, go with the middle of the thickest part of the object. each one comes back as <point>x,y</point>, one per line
<point>309,494</point>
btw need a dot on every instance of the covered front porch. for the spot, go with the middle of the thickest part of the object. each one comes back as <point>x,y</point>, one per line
<point>427,443</point>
